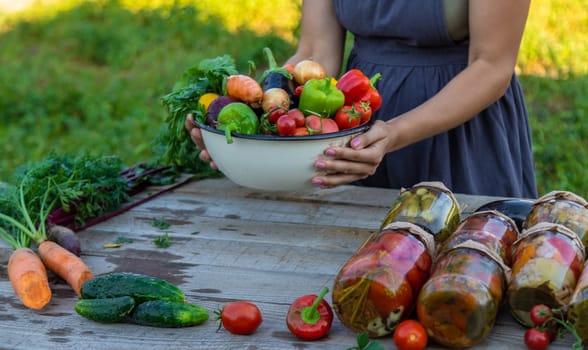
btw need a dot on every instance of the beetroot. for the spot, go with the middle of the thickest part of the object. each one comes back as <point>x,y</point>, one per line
<point>215,107</point>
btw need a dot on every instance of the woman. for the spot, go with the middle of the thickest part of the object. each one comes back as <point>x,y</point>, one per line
<point>452,111</point>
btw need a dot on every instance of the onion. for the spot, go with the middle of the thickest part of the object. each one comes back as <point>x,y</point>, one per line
<point>308,69</point>
<point>275,97</point>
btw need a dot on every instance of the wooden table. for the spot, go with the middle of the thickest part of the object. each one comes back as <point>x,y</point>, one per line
<point>227,243</point>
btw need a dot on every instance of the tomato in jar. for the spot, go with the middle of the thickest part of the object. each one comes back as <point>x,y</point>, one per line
<point>377,287</point>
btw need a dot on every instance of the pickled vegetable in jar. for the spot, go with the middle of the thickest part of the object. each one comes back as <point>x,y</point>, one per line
<point>459,303</point>
<point>561,207</point>
<point>546,264</point>
<point>377,287</point>
<point>577,313</point>
<point>429,205</point>
<point>493,229</point>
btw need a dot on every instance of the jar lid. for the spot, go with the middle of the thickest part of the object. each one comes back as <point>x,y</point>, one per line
<point>559,228</point>
<point>423,235</point>
<point>472,244</point>
<point>562,195</point>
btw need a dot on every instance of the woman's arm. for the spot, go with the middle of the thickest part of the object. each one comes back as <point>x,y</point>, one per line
<point>322,38</point>
<point>496,29</point>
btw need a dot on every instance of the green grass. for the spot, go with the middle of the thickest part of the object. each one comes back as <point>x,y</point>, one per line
<point>88,76</point>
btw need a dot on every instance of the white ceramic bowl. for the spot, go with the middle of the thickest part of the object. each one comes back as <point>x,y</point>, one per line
<point>269,162</point>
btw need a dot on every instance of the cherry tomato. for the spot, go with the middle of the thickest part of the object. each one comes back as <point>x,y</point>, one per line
<point>364,110</point>
<point>329,125</point>
<point>540,314</point>
<point>410,335</point>
<point>347,117</point>
<point>240,317</point>
<point>298,117</point>
<point>286,125</point>
<point>536,339</point>
<point>314,124</point>
<point>275,113</point>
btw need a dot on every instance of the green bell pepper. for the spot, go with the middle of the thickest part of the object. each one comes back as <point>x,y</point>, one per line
<point>237,117</point>
<point>322,97</point>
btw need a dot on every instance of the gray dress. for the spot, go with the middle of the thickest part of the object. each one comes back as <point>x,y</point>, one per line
<point>409,44</point>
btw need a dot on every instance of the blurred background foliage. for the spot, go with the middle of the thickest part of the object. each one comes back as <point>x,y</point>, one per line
<point>88,76</point>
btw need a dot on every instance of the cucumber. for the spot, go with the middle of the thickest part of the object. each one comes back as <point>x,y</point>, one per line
<point>109,310</point>
<point>170,314</point>
<point>140,287</point>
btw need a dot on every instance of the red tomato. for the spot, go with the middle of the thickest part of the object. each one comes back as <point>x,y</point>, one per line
<point>391,294</point>
<point>314,124</point>
<point>240,317</point>
<point>298,117</point>
<point>360,265</point>
<point>286,125</point>
<point>540,314</point>
<point>329,125</point>
<point>536,339</point>
<point>275,113</point>
<point>364,110</point>
<point>410,335</point>
<point>347,117</point>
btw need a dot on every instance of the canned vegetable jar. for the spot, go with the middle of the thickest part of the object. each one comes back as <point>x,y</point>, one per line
<point>459,303</point>
<point>561,207</point>
<point>577,313</point>
<point>429,205</point>
<point>493,229</point>
<point>377,287</point>
<point>546,264</point>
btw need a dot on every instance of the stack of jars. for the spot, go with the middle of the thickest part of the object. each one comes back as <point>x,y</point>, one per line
<point>549,257</point>
<point>549,260</point>
<point>377,287</point>
<point>459,303</point>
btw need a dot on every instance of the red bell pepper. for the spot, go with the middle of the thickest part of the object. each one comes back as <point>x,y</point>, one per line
<point>310,316</point>
<point>354,85</point>
<point>372,95</point>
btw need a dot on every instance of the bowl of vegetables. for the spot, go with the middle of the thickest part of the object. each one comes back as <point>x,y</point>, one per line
<point>270,162</point>
<point>266,132</point>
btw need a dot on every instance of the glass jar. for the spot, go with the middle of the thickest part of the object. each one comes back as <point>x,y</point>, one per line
<point>459,303</point>
<point>493,229</point>
<point>427,204</point>
<point>561,207</point>
<point>577,313</point>
<point>546,264</point>
<point>377,287</point>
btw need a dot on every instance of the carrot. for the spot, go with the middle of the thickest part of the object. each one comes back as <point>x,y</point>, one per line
<point>65,264</point>
<point>28,278</point>
<point>245,88</point>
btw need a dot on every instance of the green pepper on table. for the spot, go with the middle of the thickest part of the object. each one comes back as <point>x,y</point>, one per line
<point>239,118</point>
<point>322,97</point>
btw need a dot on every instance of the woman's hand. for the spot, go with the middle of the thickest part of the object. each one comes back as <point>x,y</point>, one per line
<point>343,165</point>
<point>196,136</point>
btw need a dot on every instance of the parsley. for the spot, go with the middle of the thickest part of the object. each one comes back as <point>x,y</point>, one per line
<point>160,224</point>
<point>163,241</point>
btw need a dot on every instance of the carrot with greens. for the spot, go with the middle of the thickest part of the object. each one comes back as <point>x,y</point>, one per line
<point>56,258</point>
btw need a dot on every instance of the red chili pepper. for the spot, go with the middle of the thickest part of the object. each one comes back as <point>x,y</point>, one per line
<point>354,84</point>
<point>310,316</point>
